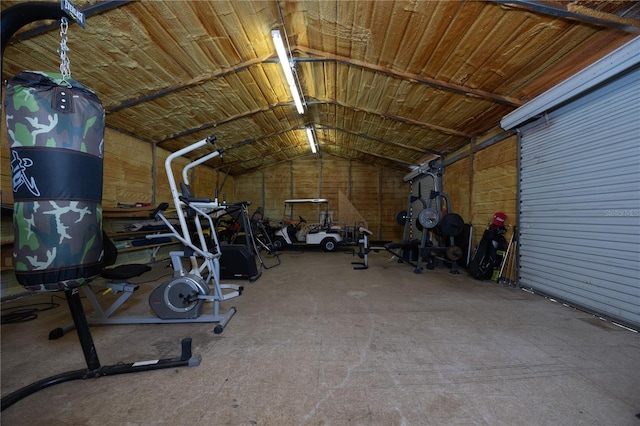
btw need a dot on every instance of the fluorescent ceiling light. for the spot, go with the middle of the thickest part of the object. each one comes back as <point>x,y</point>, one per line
<point>312,143</point>
<point>286,67</point>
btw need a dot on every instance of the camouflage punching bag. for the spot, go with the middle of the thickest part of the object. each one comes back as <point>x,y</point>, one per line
<point>56,140</point>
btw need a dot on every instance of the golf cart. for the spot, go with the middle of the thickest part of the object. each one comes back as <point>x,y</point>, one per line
<point>302,233</point>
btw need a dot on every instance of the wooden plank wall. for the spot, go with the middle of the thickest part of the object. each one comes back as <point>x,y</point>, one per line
<point>335,177</point>
<point>365,195</point>
<point>484,183</point>
<point>127,176</point>
<point>456,184</point>
<point>210,183</point>
<point>394,197</point>
<point>251,187</point>
<point>378,194</point>
<point>495,182</point>
<point>129,173</point>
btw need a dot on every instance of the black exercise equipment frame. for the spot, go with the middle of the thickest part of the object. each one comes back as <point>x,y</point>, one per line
<point>423,246</point>
<point>94,370</point>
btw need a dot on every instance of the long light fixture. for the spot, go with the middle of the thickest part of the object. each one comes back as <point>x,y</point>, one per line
<point>286,67</point>
<point>312,142</point>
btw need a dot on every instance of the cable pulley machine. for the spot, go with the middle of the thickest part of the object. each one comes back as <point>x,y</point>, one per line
<point>428,221</point>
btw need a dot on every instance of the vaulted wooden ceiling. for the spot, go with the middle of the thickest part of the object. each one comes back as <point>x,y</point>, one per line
<point>388,83</point>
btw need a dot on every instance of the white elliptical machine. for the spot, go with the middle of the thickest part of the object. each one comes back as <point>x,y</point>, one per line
<point>182,297</point>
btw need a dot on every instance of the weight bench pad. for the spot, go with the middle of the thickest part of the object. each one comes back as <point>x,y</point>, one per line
<point>124,272</point>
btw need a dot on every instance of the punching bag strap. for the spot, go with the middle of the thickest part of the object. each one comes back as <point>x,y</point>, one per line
<point>55,174</point>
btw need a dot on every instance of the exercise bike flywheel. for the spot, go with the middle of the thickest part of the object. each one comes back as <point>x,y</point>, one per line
<point>178,298</point>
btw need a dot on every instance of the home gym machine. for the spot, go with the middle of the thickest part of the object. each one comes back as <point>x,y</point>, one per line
<point>182,298</point>
<point>57,185</point>
<point>242,239</point>
<point>238,260</point>
<point>364,249</point>
<point>438,230</point>
<point>262,233</point>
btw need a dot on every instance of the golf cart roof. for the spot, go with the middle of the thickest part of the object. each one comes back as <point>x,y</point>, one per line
<point>306,200</point>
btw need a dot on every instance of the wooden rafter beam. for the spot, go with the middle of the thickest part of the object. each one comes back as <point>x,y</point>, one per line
<point>266,136</point>
<point>392,117</point>
<point>250,113</point>
<point>259,138</point>
<point>320,56</point>
<point>232,164</point>
<point>275,163</point>
<point>332,143</point>
<point>324,127</point>
<point>392,164</point>
<point>576,12</point>
<point>267,58</point>
<point>223,121</point>
<point>367,153</point>
<point>380,140</point>
<point>257,61</point>
<point>201,79</point>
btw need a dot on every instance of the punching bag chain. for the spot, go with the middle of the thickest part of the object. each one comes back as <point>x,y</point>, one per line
<point>62,51</point>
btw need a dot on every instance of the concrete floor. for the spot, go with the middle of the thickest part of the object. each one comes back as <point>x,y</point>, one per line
<point>315,342</point>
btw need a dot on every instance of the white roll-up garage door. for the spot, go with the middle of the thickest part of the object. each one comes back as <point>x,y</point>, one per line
<point>579,212</point>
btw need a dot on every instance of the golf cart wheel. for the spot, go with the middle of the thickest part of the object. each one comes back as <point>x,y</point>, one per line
<point>329,244</point>
<point>279,243</point>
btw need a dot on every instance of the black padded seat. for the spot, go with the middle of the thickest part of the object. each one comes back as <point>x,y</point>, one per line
<point>121,272</point>
<point>406,245</point>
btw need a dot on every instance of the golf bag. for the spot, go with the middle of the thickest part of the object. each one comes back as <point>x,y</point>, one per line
<point>489,254</point>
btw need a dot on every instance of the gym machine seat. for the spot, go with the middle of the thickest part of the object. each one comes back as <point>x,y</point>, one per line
<point>120,272</point>
<point>118,276</point>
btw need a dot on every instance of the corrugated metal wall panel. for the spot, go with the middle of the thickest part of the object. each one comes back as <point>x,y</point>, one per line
<point>579,211</point>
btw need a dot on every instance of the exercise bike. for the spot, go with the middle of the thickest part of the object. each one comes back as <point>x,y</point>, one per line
<point>181,298</point>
